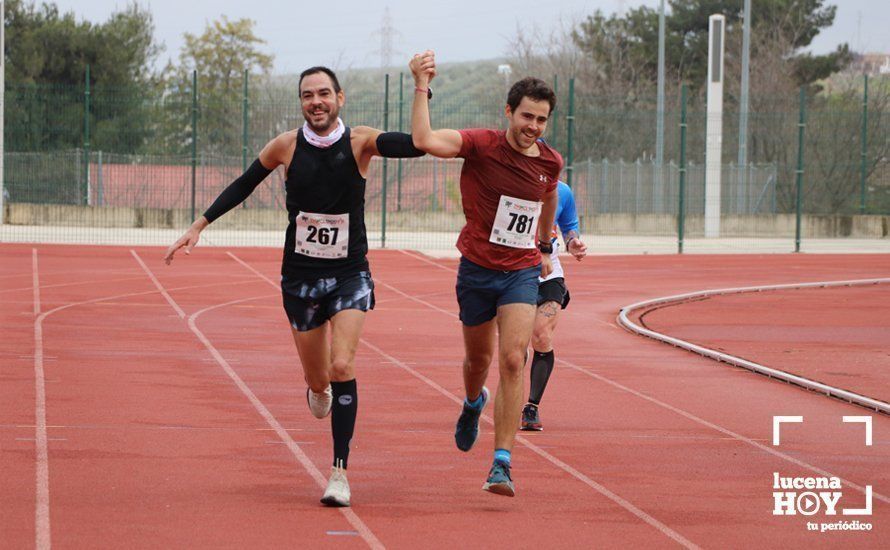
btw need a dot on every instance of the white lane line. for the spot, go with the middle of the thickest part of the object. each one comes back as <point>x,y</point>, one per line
<point>627,505</point>
<point>721,429</point>
<point>601,489</point>
<point>41,511</point>
<point>35,281</point>
<point>273,423</point>
<point>711,425</point>
<point>157,284</point>
<point>617,499</point>
<point>427,295</point>
<point>416,299</point>
<point>60,285</point>
<point>45,273</point>
<point>423,259</point>
<point>42,501</point>
<point>852,397</point>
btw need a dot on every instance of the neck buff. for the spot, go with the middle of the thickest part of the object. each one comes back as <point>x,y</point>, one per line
<point>323,142</point>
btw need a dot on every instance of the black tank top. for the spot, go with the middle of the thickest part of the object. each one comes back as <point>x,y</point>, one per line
<point>325,181</point>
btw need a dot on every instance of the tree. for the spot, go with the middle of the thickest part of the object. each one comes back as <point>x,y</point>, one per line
<point>796,22</point>
<point>220,56</point>
<point>46,58</point>
<point>614,61</point>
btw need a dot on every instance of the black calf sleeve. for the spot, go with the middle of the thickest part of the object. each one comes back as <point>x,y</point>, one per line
<point>343,412</point>
<point>542,366</point>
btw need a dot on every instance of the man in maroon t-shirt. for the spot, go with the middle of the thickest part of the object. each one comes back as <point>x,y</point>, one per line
<point>508,190</point>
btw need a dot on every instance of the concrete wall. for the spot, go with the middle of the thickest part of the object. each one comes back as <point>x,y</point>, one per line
<point>780,225</point>
<point>752,226</point>
<point>238,218</point>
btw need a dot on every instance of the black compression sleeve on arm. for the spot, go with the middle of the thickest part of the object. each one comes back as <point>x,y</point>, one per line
<point>237,191</point>
<point>397,145</point>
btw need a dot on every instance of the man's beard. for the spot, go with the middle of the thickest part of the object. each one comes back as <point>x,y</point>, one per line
<point>329,122</point>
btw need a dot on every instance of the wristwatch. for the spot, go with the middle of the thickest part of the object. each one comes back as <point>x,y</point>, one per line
<point>545,247</point>
<point>428,91</point>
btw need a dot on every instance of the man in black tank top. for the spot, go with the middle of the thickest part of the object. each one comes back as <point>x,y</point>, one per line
<point>325,278</point>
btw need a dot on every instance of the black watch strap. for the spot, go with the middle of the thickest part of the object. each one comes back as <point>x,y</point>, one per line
<point>545,247</point>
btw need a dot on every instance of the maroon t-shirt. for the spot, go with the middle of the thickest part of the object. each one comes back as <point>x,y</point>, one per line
<point>492,169</point>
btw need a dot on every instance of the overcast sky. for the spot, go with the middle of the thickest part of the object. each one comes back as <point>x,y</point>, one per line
<point>345,33</point>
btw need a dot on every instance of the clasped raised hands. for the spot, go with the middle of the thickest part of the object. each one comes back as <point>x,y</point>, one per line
<point>423,67</point>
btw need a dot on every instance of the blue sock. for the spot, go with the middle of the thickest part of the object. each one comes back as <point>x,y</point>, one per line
<point>476,403</point>
<point>503,455</point>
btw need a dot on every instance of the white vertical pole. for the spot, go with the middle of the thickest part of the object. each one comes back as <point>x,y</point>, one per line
<point>743,108</point>
<point>659,123</point>
<point>714,129</point>
<point>2,106</point>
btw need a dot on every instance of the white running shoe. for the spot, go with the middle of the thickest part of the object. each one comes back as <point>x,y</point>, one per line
<point>320,403</point>
<point>337,493</point>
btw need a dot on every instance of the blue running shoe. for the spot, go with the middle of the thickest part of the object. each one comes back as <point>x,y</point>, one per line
<point>467,429</point>
<point>499,481</point>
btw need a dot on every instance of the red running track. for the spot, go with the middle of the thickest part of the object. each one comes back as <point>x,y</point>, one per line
<point>152,406</point>
<point>839,336</point>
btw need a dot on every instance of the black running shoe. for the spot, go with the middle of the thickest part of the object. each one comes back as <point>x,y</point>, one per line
<point>467,429</point>
<point>531,422</point>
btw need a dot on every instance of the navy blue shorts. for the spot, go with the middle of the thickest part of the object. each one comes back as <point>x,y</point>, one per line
<point>480,291</point>
<point>309,303</point>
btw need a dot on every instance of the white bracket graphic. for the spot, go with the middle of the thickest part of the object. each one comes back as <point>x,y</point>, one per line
<point>778,421</point>
<point>861,511</point>
<point>864,420</point>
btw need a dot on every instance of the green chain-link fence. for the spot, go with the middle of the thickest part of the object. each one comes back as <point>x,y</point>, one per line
<point>79,160</point>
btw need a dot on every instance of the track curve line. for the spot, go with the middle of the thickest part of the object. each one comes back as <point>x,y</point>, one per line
<point>851,397</point>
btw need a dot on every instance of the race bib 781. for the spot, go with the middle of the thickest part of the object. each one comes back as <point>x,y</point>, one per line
<point>515,223</point>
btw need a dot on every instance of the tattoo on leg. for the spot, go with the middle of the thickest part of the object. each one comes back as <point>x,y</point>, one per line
<point>548,309</point>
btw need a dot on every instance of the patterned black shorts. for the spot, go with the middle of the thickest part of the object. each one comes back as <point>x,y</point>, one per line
<point>309,303</point>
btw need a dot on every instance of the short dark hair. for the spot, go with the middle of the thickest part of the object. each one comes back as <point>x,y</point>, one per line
<point>319,69</point>
<point>533,88</point>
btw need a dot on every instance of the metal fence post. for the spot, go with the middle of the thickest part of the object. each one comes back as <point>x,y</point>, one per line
<point>681,207</point>
<point>385,128</point>
<point>637,189</point>
<point>86,137</point>
<point>399,167</point>
<point>670,189</point>
<point>194,139</point>
<point>570,121</point>
<point>653,188</point>
<point>734,201</point>
<point>244,122</point>
<point>435,197</point>
<point>605,198</point>
<point>864,152</point>
<point>100,193</point>
<point>2,111</point>
<point>622,195</point>
<point>801,125</point>
<point>554,131</point>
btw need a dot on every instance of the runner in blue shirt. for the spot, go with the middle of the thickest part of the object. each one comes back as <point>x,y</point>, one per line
<point>552,297</point>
